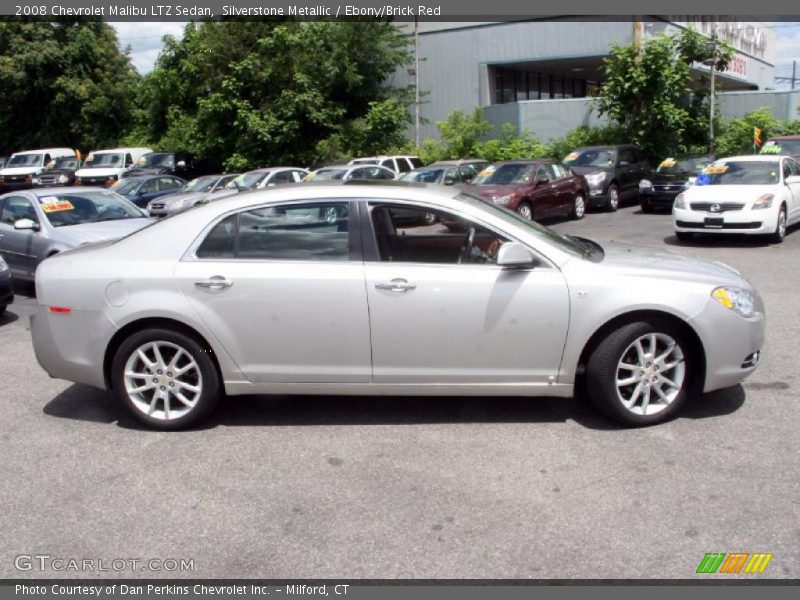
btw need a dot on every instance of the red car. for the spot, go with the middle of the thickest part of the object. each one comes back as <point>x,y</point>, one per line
<point>535,189</point>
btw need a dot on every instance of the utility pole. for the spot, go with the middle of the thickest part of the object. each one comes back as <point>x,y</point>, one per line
<point>711,46</point>
<point>416,81</point>
<point>794,72</point>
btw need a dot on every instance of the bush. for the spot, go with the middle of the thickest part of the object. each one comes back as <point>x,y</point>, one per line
<point>736,136</point>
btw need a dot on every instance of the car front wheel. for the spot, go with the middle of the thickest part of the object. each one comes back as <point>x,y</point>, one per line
<point>641,373</point>
<point>525,211</point>
<point>780,228</point>
<point>613,198</point>
<point>165,378</point>
<point>578,207</point>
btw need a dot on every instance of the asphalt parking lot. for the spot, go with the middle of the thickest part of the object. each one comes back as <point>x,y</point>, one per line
<point>282,487</point>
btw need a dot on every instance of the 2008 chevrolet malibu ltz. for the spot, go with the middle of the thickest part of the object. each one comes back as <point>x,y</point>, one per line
<point>333,289</point>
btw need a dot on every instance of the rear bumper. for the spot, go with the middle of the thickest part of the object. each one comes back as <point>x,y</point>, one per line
<point>72,346</point>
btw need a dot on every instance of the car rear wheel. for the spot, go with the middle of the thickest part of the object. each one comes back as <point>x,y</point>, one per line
<point>641,373</point>
<point>525,211</point>
<point>780,228</point>
<point>579,207</point>
<point>612,204</point>
<point>166,379</point>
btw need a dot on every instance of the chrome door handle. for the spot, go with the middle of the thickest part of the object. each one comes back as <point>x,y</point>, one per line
<point>396,285</point>
<point>217,282</point>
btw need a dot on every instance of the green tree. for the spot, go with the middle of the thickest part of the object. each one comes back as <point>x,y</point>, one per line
<point>65,83</point>
<point>736,136</point>
<point>461,133</point>
<point>286,92</point>
<point>558,148</point>
<point>651,90</point>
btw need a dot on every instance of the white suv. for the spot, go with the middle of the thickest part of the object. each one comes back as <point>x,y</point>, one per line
<point>398,164</point>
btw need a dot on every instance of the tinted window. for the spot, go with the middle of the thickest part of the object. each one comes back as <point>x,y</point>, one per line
<point>542,174</point>
<point>787,170</point>
<point>466,173</point>
<point>388,163</point>
<point>283,177</point>
<point>626,155</point>
<point>424,176</point>
<point>149,186</point>
<point>16,208</point>
<point>298,232</point>
<point>403,165</point>
<point>415,162</point>
<point>168,183</point>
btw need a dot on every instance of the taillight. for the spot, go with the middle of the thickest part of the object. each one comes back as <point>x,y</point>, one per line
<point>60,310</point>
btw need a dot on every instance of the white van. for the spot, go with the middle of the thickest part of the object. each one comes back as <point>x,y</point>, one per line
<point>106,167</point>
<point>22,167</point>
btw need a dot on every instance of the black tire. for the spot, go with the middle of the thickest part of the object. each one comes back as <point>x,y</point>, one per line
<point>684,236</point>
<point>210,389</point>
<point>2,310</point>
<point>646,206</point>
<point>525,210</point>
<point>612,204</point>
<point>604,367</point>
<point>578,207</point>
<point>780,229</point>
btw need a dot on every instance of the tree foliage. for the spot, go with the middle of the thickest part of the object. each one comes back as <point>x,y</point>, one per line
<point>652,92</point>
<point>558,148</point>
<point>65,83</point>
<point>736,135</point>
<point>260,93</point>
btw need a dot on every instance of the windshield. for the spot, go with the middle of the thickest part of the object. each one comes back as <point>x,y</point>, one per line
<point>25,160</point>
<point>126,186</point>
<point>66,162</point>
<point>366,161</point>
<point>740,173</point>
<point>326,175</point>
<point>104,160</point>
<point>790,147</point>
<point>426,176</point>
<point>505,175</point>
<point>87,207</point>
<point>590,158</point>
<point>157,160</point>
<point>247,181</point>
<point>201,184</point>
<point>689,165</point>
<point>533,227</point>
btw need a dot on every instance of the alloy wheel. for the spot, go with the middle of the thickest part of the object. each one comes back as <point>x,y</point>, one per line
<point>650,374</point>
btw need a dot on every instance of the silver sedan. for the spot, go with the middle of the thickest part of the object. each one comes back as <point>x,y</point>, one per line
<point>38,223</point>
<point>320,289</point>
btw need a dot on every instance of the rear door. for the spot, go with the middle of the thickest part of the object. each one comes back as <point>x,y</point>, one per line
<point>627,171</point>
<point>282,288</point>
<point>792,168</point>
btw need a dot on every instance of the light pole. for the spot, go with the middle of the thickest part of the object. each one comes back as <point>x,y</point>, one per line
<point>416,81</point>
<point>711,46</point>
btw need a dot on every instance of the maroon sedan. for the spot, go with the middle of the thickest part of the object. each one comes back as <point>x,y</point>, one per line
<point>535,189</point>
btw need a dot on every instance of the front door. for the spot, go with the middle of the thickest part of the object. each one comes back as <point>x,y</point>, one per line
<point>442,312</point>
<point>282,288</point>
<point>18,245</point>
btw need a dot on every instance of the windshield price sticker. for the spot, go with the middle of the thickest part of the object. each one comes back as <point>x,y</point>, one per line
<point>50,205</point>
<point>667,162</point>
<point>771,148</point>
<point>487,171</point>
<point>715,169</point>
<point>571,156</point>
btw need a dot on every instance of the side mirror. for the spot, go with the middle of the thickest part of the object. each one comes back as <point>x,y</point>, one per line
<point>514,254</point>
<point>26,224</point>
<point>449,181</point>
<point>543,181</point>
<point>791,179</point>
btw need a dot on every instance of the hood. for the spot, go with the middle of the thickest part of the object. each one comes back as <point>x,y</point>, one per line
<point>147,171</point>
<point>728,193</point>
<point>667,264</point>
<point>20,170</point>
<point>99,172</point>
<point>661,178</point>
<point>75,235</point>
<point>189,197</point>
<point>587,170</point>
<point>490,191</point>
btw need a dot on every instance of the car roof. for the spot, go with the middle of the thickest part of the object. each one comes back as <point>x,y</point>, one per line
<point>46,151</point>
<point>270,169</point>
<point>118,150</point>
<point>784,137</point>
<point>753,158</point>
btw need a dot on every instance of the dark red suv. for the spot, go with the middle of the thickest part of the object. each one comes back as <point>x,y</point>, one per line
<point>535,189</point>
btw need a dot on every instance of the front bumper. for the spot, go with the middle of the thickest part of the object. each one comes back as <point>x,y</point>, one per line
<point>11,186</point>
<point>732,343</point>
<point>597,197</point>
<point>754,222</point>
<point>660,199</point>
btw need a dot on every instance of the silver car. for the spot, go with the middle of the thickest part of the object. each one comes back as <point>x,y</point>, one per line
<point>38,223</point>
<point>192,194</point>
<point>262,292</point>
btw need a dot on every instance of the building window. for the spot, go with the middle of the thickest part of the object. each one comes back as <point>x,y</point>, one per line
<point>516,85</point>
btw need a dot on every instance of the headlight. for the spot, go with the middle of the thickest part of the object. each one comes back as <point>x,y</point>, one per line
<point>680,201</point>
<point>736,299</point>
<point>645,184</point>
<point>763,201</point>
<point>63,178</point>
<point>596,179</point>
<point>503,200</point>
<point>3,265</point>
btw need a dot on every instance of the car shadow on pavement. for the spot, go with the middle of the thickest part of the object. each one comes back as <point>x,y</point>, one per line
<point>83,403</point>
<point>8,317</point>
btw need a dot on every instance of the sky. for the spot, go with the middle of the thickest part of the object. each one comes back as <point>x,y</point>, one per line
<point>145,42</point>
